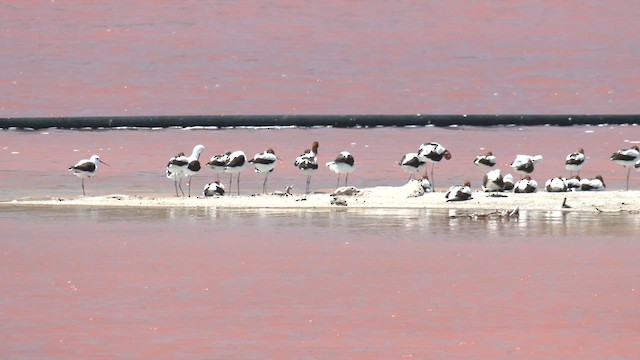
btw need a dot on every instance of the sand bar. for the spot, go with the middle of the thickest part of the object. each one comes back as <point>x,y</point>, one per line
<point>382,197</point>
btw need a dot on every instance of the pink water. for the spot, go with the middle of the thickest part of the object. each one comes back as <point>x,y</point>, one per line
<point>178,283</point>
<point>35,163</point>
<point>172,283</point>
<point>327,57</point>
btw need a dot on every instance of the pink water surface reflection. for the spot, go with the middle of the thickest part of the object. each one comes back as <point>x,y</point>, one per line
<point>179,283</point>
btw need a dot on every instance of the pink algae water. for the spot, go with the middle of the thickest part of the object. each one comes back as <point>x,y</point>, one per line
<point>84,283</point>
<point>206,283</point>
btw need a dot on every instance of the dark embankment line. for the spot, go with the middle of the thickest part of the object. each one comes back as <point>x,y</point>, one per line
<point>312,120</point>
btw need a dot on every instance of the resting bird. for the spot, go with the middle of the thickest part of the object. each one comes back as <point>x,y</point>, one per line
<point>595,184</point>
<point>493,181</point>
<point>557,184</point>
<point>459,192</point>
<point>213,189</point>
<point>526,185</point>
<point>508,182</point>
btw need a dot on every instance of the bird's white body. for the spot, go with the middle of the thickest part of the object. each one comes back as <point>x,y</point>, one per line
<point>213,189</point>
<point>413,164</point>
<point>526,185</point>
<point>486,161</point>
<point>493,181</point>
<point>556,184</point>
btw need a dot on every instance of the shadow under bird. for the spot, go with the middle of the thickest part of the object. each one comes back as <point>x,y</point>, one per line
<point>86,168</point>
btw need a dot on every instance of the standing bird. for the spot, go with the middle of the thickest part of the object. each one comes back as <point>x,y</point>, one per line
<point>493,181</point>
<point>343,164</point>
<point>176,170</point>
<point>193,165</point>
<point>213,189</point>
<point>264,163</point>
<point>413,164</point>
<point>485,161</point>
<point>575,161</point>
<point>308,162</point>
<point>217,163</point>
<point>433,153</point>
<point>626,158</point>
<point>86,168</point>
<point>459,192</point>
<point>557,184</point>
<point>236,161</point>
<point>524,164</point>
<point>526,185</point>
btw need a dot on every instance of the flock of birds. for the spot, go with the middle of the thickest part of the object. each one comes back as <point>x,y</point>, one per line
<point>181,166</point>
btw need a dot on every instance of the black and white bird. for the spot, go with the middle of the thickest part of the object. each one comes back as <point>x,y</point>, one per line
<point>343,164</point>
<point>575,161</point>
<point>493,181</point>
<point>573,183</point>
<point>595,184</point>
<point>508,182</point>
<point>524,164</point>
<point>236,161</point>
<point>433,153</point>
<point>413,164</point>
<point>556,184</point>
<point>308,163</point>
<point>213,189</point>
<point>459,192</point>
<point>176,170</point>
<point>264,163</point>
<point>485,161</point>
<point>217,163</point>
<point>525,185</point>
<point>425,184</point>
<point>627,158</point>
<point>193,165</point>
<point>86,168</point>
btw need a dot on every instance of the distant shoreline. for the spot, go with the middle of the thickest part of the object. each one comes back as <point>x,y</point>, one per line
<point>340,121</point>
<point>382,197</point>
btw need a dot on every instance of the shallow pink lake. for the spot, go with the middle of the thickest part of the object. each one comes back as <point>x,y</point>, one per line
<point>81,283</point>
<point>90,283</point>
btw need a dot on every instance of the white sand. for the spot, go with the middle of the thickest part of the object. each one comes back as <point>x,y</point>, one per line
<point>403,197</point>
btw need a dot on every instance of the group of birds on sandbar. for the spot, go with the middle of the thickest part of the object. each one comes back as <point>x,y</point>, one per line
<point>181,166</point>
